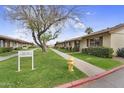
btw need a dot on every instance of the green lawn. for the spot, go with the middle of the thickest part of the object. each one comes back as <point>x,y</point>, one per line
<point>51,70</point>
<point>105,63</point>
<point>13,52</point>
<point>8,53</point>
<point>64,50</point>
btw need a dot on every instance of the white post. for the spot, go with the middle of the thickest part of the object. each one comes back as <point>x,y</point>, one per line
<point>19,63</point>
<point>32,60</point>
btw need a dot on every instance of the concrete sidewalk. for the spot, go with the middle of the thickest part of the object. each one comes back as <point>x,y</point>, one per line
<point>7,57</point>
<point>83,66</point>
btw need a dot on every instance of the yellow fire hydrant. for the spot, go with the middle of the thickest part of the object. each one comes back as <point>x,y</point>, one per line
<point>70,64</point>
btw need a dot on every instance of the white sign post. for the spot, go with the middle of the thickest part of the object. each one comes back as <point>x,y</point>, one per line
<point>25,54</point>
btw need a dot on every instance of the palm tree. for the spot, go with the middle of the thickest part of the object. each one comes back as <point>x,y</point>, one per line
<point>88,30</point>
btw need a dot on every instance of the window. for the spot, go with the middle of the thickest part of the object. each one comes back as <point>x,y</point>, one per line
<point>69,43</point>
<point>92,42</point>
<point>64,44</point>
<point>95,42</point>
<point>99,41</point>
<point>77,44</point>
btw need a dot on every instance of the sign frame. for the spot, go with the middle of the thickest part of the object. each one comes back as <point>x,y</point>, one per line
<point>28,53</point>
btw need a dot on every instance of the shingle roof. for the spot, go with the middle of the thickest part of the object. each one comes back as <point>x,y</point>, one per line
<point>14,39</point>
<point>98,32</point>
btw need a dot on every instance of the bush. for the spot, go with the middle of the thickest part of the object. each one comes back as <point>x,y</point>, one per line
<point>3,50</point>
<point>120,52</point>
<point>75,49</point>
<point>32,47</point>
<point>99,51</point>
<point>18,48</point>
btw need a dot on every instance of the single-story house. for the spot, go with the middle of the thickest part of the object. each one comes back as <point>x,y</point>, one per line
<point>111,37</point>
<point>6,41</point>
<point>69,44</point>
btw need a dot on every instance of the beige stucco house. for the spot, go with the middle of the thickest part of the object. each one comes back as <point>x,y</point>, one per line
<point>111,37</point>
<point>6,41</point>
<point>69,44</point>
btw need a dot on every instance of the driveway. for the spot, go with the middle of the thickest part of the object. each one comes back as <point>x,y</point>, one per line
<point>114,80</point>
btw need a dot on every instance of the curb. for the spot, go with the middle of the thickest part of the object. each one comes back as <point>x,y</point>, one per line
<point>82,81</point>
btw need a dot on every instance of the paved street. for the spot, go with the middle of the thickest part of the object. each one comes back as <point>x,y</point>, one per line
<point>114,80</point>
<point>83,66</point>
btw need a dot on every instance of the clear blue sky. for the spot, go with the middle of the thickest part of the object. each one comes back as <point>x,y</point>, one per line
<point>97,17</point>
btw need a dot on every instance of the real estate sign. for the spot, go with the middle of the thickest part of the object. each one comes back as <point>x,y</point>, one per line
<point>25,54</point>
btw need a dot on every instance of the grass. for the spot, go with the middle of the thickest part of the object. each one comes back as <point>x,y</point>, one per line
<point>64,50</point>
<point>12,52</point>
<point>8,53</point>
<point>105,63</point>
<point>51,70</point>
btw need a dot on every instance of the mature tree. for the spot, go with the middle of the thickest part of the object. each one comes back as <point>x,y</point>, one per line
<point>40,20</point>
<point>88,30</point>
<point>50,35</point>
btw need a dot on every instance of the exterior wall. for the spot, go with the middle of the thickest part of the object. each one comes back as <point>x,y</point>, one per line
<point>107,40</point>
<point>1,43</point>
<point>8,43</point>
<point>67,44</point>
<point>60,45</point>
<point>20,44</point>
<point>12,43</point>
<point>83,44</point>
<point>5,44</point>
<point>72,44</point>
<point>117,40</point>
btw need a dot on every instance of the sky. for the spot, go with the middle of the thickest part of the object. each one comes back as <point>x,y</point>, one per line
<point>96,17</point>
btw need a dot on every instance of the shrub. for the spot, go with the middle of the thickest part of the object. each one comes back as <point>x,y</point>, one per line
<point>99,51</point>
<point>32,47</point>
<point>18,48</point>
<point>120,52</point>
<point>75,49</point>
<point>3,50</point>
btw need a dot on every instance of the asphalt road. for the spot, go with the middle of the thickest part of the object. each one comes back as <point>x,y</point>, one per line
<point>113,80</point>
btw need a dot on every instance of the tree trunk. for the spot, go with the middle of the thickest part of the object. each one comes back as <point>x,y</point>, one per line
<point>42,44</point>
<point>39,44</point>
<point>44,48</point>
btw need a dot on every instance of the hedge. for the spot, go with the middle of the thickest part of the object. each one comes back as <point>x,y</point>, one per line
<point>99,51</point>
<point>32,47</point>
<point>120,52</point>
<point>3,50</point>
<point>75,49</point>
<point>18,48</point>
